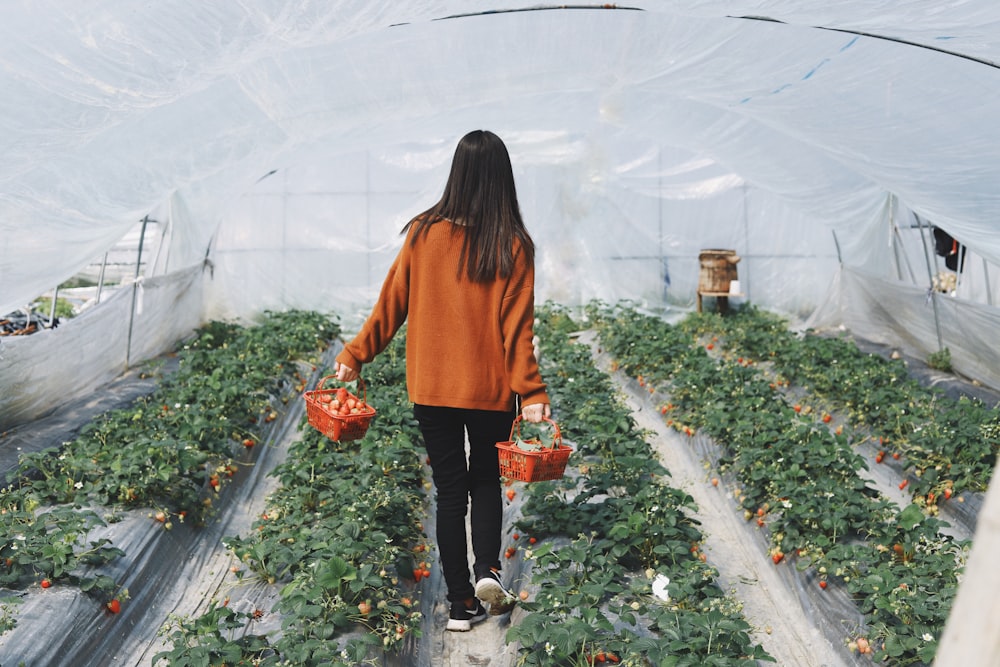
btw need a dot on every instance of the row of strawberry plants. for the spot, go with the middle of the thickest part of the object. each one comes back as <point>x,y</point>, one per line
<point>797,474</point>
<point>949,445</point>
<point>611,535</point>
<point>170,450</point>
<point>341,537</point>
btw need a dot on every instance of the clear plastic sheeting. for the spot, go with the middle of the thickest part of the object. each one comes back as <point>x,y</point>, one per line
<point>808,125</point>
<point>923,322</point>
<point>288,142</point>
<point>138,321</point>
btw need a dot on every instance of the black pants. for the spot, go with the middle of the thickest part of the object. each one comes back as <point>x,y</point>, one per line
<point>458,479</point>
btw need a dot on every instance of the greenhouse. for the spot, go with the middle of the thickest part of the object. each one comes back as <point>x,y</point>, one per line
<point>766,293</point>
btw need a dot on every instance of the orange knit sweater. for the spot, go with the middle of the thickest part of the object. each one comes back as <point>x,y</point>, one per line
<point>468,345</point>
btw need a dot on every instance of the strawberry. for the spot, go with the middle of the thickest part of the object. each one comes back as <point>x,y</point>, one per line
<point>822,584</point>
<point>114,606</point>
<point>827,418</point>
<point>45,583</point>
<point>510,494</point>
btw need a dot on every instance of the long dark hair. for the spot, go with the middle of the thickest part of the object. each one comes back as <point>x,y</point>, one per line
<point>481,197</point>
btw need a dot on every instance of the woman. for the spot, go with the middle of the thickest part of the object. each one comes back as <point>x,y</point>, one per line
<point>464,282</point>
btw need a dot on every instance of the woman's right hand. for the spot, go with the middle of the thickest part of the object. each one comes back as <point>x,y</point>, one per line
<point>536,412</point>
<point>344,372</point>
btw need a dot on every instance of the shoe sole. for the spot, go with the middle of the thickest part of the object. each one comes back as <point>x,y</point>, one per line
<point>493,594</point>
<point>456,625</point>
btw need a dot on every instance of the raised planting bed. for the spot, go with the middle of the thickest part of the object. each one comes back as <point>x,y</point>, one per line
<point>101,528</point>
<point>797,462</point>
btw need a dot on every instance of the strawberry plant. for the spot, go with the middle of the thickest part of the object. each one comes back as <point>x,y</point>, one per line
<point>170,450</point>
<point>795,472</point>
<point>341,537</point>
<point>606,535</point>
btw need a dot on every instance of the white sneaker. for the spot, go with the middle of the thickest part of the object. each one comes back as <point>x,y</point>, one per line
<point>461,618</point>
<point>490,590</point>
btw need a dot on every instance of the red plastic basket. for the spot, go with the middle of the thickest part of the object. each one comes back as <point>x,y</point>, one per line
<point>328,420</point>
<point>529,465</point>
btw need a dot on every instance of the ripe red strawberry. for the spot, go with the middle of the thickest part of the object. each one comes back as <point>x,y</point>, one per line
<point>510,494</point>
<point>45,583</point>
<point>114,606</point>
<point>822,584</point>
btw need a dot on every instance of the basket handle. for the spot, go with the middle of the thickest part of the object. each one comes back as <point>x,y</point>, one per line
<point>361,383</point>
<point>515,432</point>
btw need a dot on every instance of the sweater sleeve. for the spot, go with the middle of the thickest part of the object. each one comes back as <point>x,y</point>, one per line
<point>517,319</point>
<point>386,318</point>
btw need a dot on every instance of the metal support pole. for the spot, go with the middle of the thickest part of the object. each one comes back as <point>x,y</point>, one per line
<point>52,311</point>
<point>906,258</point>
<point>893,235</point>
<point>986,280</point>
<point>135,289</point>
<point>932,291</point>
<point>100,278</point>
